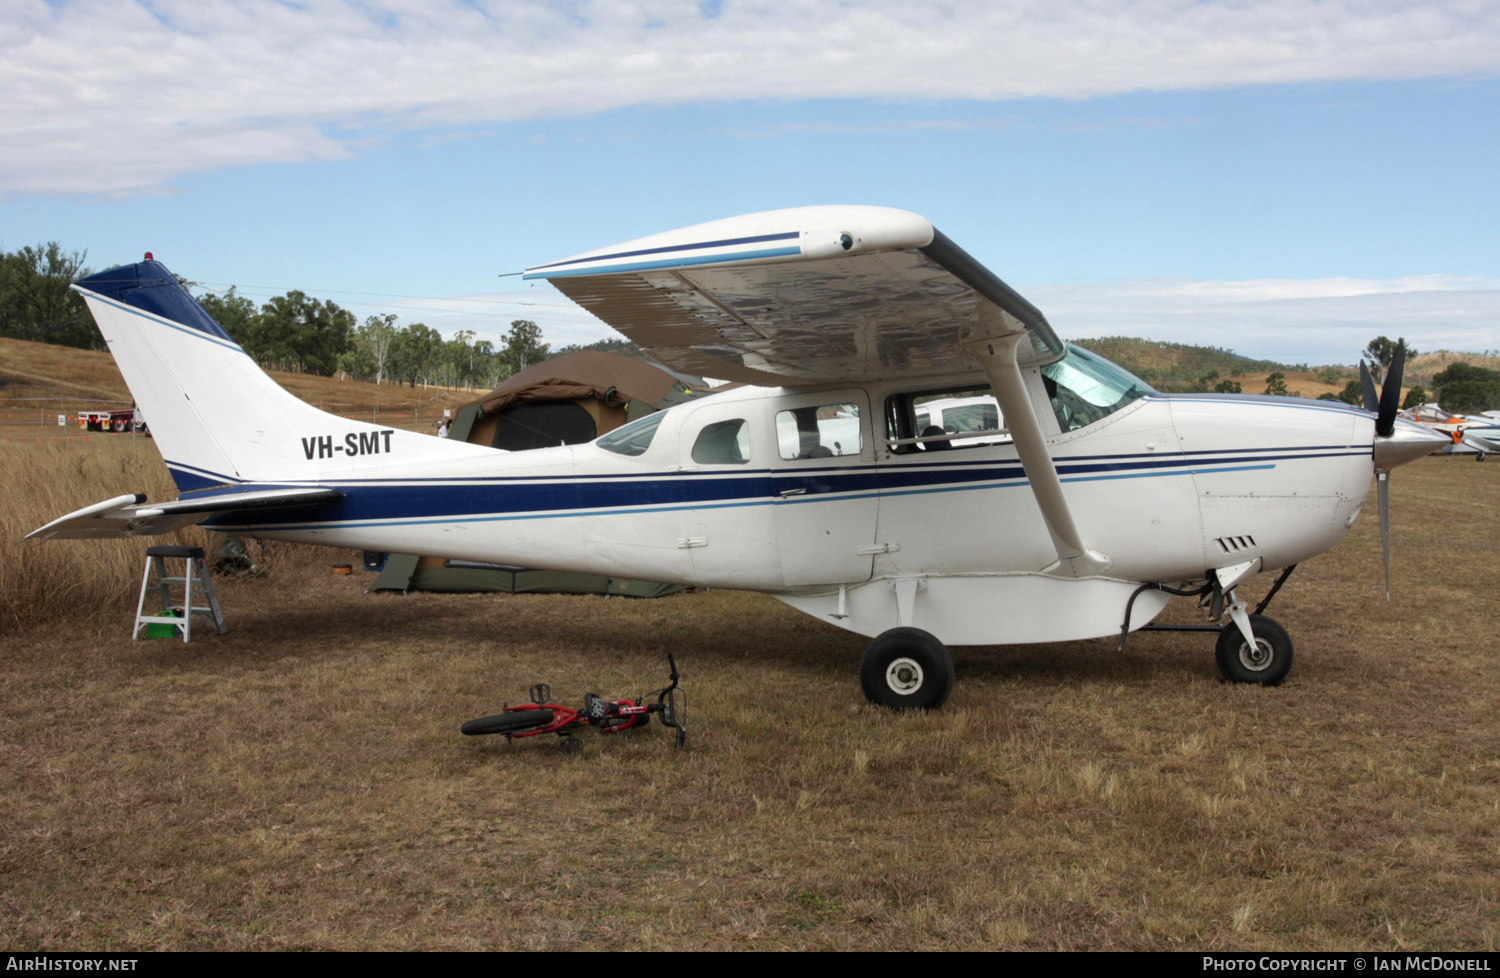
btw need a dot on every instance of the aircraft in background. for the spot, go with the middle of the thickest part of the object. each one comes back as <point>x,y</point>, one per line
<point>1088,502</point>
<point>1469,434</point>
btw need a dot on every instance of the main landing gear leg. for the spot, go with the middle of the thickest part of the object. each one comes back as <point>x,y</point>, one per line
<point>906,669</point>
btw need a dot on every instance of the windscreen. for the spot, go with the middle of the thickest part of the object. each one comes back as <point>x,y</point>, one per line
<point>1085,388</point>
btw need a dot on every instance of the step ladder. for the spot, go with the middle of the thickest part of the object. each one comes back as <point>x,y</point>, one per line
<point>195,570</point>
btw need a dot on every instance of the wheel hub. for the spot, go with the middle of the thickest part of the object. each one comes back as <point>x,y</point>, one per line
<point>1257,658</point>
<point>904,676</point>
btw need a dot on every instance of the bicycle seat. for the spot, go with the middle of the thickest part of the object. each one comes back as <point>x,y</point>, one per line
<point>597,708</point>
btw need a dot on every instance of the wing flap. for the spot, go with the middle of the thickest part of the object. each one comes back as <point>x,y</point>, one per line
<point>131,516</point>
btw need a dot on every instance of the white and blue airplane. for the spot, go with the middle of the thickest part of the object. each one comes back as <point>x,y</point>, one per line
<point>1091,501</point>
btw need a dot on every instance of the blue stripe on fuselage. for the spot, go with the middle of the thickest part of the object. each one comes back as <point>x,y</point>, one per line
<point>520,499</point>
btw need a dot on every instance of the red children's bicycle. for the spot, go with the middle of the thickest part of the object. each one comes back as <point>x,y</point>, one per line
<point>541,716</point>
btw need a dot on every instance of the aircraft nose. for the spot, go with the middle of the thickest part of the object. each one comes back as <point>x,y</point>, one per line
<point>1407,442</point>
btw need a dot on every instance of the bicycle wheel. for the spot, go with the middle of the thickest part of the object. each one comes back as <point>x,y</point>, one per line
<point>514,721</point>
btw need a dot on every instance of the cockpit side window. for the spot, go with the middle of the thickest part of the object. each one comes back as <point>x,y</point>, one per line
<point>634,438</point>
<point>819,431</point>
<point>1085,388</point>
<point>723,443</point>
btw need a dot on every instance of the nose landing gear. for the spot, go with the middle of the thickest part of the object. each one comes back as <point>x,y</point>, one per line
<point>1265,662</point>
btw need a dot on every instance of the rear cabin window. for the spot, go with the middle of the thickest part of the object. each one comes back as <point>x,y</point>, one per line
<point>934,421</point>
<point>634,438</point>
<point>818,431</point>
<point>723,443</point>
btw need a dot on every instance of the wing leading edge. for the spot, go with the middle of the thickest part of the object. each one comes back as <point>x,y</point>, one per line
<point>803,296</point>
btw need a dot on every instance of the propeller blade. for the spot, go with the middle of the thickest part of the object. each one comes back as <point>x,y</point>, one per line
<point>1372,400</point>
<point>1390,394</point>
<point>1383,487</point>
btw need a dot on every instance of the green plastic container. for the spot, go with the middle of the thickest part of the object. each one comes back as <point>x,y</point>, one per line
<point>165,631</point>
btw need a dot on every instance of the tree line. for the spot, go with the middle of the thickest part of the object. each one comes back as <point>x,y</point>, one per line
<point>296,332</point>
<point>292,332</point>
<point>36,303</point>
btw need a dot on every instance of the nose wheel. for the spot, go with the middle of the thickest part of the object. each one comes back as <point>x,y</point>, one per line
<point>1266,664</point>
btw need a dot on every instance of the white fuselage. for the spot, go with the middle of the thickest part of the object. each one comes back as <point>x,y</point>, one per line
<point>867,538</point>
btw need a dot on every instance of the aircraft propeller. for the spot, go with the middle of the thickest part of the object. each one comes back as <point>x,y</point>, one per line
<point>1394,445</point>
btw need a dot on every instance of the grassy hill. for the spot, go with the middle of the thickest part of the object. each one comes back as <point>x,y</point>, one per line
<point>1173,366</point>
<point>1154,361</point>
<point>38,381</point>
<point>1422,369</point>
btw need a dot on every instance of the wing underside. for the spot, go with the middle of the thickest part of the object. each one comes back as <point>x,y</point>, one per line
<point>804,296</point>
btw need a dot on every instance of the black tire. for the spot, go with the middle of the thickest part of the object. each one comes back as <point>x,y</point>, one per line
<point>515,721</point>
<point>906,669</point>
<point>1267,666</point>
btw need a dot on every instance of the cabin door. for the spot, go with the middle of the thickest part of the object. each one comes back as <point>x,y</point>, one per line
<point>823,486</point>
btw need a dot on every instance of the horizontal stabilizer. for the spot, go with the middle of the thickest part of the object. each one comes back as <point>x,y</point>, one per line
<point>131,516</point>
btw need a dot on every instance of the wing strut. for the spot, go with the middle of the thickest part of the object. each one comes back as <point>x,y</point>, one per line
<point>998,357</point>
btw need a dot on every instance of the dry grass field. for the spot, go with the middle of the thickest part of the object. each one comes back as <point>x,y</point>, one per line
<point>301,782</point>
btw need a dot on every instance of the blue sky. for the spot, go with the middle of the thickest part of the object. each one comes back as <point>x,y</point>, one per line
<point>1287,179</point>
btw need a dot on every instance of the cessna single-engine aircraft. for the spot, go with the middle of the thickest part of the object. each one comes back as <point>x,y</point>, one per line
<point>1077,510</point>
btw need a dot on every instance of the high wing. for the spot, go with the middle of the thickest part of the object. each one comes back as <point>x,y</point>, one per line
<point>802,296</point>
<point>836,294</point>
<point>130,516</point>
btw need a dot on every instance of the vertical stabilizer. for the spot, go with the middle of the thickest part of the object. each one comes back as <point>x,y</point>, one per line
<point>218,419</point>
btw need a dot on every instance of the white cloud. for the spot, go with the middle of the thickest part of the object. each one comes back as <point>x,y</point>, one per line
<point>121,96</point>
<point>1314,321</point>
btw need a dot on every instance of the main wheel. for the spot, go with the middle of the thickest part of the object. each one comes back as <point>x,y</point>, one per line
<point>1266,665</point>
<point>906,669</point>
<point>515,721</point>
